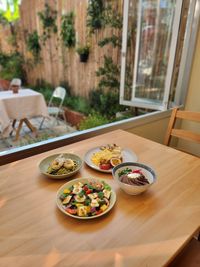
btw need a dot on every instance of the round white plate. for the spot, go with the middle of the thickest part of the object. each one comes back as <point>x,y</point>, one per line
<point>84,180</point>
<point>127,156</point>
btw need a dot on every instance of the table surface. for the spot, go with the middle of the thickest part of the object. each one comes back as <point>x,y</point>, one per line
<point>144,230</point>
<point>22,93</point>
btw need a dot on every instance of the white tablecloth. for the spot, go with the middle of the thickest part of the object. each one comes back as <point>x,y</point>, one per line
<point>26,104</point>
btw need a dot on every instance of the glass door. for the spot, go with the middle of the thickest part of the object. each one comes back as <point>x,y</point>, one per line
<point>150,36</point>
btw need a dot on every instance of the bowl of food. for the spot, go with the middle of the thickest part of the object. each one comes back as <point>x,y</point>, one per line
<point>85,198</point>
<point>134,178</point>
<point>60,166</point>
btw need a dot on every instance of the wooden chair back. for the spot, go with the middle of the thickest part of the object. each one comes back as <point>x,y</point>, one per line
<point>180,133</point>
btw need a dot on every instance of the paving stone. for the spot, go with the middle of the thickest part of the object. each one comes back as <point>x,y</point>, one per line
<point>50,129</point>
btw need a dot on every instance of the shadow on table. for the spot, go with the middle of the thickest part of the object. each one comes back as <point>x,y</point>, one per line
<point>90,225</point>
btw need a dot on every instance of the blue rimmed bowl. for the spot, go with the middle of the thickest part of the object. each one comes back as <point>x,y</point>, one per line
<point>133,189</point>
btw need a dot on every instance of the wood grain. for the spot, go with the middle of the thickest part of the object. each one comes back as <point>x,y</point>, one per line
<point>145,230</point>
<point>60,63</point>
<point>170,127</point>
<point>181,133</point>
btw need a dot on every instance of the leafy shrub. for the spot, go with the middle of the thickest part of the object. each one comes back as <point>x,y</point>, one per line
<point>68,33</point>
<point>11,66</point>
<point>95,14</point>
<point>46,89</point>
<point>93,120</point>
<point>48,18</point>
<point>114,40</point>
<point>33,45</point>
<point>83,50</point>
<point>109,75</point>
<point>67,87</point>
<point>78,103</point>
<point>106,103</point>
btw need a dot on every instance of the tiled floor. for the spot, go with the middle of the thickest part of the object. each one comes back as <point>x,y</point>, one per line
<point>49,130</point>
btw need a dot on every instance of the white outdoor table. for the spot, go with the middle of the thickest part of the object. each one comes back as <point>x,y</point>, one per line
<point>22,106</point>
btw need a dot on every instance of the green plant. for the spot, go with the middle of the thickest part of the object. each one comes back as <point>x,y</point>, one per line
<point>10,15</point>
<point>95,15</point>
<point>12,11</point>
<point>44,88</point>
<point>67,87</point>
<point>106,103</point>
<point>33,45</point>
<point>48,18</point>
<point>112,18</point>
<point>12,65</point>
<point>83,50</point>
<point>114,40</point>
<point>110,74</point>
<point>67,30</point>
<point>93,120</point>
<point>3,20</point>
<point>78,103</point>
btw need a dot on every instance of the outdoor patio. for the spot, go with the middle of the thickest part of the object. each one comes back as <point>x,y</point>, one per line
<point>50,129</point>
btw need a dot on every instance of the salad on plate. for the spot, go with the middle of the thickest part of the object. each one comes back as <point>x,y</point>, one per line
<point>86,198</point>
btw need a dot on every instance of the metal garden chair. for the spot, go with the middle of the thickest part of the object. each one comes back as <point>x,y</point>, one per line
<point>55,104</point>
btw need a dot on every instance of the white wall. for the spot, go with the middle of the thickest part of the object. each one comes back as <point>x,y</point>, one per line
<point>193,101</point>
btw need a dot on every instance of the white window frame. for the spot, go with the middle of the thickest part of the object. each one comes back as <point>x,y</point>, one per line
<point>187,53</point>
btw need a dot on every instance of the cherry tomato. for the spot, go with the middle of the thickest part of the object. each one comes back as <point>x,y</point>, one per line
<point>88,191</point>
<point>98,212</point>
<point>105,166</point>
<point>137,171</point>
<point>85,188</point>
<point>71,211</point>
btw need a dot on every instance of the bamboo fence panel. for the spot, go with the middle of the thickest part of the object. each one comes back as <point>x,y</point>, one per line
<point>5,35</point>
<point>58,62</point>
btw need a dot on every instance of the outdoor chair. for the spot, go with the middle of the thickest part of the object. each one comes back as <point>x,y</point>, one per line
<point>4,85</point>
<point>55,104</point>
<point>181,133</point>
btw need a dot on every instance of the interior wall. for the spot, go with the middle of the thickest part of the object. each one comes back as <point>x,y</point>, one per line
<point>154,131</point>
<point>193,101</point>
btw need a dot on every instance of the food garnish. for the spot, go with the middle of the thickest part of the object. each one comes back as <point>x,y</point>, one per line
<point>132,177</point>
<point>93,198</point>
<point>62,165</point>
<point>108,156</point>
<point>115,161</point>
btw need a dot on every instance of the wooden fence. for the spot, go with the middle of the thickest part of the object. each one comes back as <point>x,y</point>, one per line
<point>58,62</point>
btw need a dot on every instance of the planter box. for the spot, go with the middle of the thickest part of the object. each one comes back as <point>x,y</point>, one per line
<point>4,85</point>
<point>73,117</point>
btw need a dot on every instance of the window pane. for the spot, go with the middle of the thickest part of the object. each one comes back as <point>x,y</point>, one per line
<point>154,44</point>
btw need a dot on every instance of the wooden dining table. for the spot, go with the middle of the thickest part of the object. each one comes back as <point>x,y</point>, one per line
<point>149,229</point>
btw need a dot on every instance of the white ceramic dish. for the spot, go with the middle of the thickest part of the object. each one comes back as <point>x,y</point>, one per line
<point>134,189</point>
<point>84,180</point>
<point>127,155</point>
<point>44,164</point>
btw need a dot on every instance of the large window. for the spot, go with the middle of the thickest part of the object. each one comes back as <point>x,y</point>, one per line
<point>160,41</point>
<point>156,56</point>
